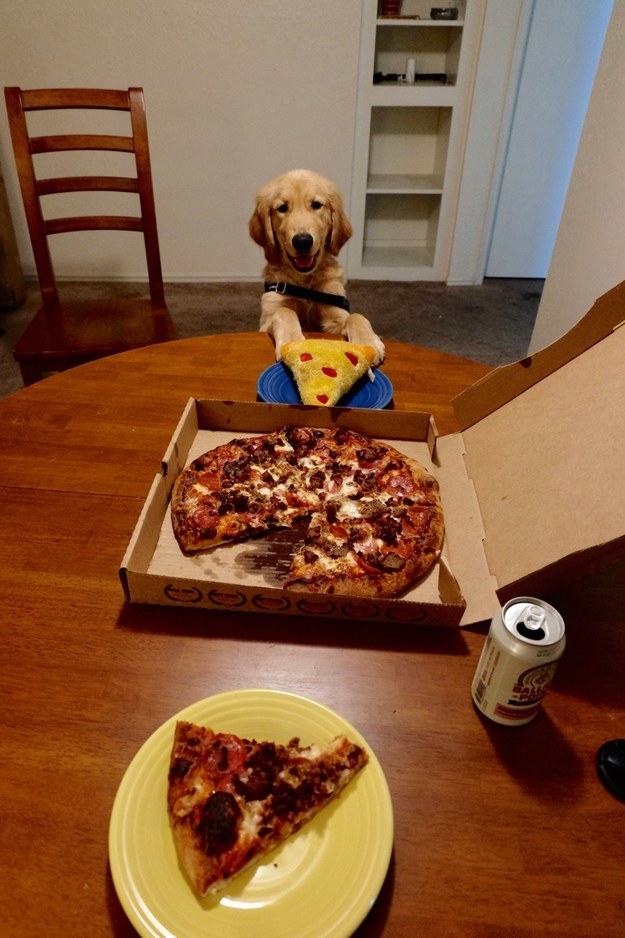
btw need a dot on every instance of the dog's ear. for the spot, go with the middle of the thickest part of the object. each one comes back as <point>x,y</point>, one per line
<point>261,229</point>
<point>341,230</point>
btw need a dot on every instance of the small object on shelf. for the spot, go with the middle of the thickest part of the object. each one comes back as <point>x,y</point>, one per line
<point>380,77</point>
<point>444,13</point>
<point>390,7</point>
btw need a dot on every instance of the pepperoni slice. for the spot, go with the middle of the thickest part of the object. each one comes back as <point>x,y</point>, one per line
<point>353,359</point>
<point>305,357</point>
<point>329,372</point>
<point>322,398</point>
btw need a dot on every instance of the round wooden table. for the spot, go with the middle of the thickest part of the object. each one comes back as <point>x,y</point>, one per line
<point>497,831</point>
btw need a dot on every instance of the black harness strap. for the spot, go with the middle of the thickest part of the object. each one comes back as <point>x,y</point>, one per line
<point>289,289</point>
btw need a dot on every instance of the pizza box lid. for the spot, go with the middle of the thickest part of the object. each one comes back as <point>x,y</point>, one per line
<point>543,441</point>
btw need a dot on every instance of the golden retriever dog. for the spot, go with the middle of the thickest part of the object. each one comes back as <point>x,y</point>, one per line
<point>300,223</point>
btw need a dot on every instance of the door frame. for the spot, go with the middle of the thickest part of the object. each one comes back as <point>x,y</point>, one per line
<point>504,39</point>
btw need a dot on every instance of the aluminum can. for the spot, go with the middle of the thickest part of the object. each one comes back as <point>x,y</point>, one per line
<point>524,643</point>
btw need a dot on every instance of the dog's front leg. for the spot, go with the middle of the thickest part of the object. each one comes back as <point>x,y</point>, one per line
<point>280,321</point>
<point>359,330</point>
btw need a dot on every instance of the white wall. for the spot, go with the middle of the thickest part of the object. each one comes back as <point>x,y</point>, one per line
<point>237,91</point>
<point>589,254</point>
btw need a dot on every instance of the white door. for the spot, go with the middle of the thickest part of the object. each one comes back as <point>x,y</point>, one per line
<point>562,52</point>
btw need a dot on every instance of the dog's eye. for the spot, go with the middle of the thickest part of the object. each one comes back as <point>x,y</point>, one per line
<point>283,208</point>
<point>317,205</point>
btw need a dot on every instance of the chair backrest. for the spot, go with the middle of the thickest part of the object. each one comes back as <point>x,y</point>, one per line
<point>19,102</point>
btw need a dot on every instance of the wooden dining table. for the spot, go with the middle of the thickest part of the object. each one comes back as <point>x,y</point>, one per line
<point>498,831</point>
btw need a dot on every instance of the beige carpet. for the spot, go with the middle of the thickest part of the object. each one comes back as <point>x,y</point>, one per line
<point>491,323</point>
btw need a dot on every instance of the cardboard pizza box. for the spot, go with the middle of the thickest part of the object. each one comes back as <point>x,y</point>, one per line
<point>246,576</point>
<point>531,489</point>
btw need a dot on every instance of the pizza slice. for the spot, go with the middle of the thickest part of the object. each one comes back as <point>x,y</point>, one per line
<point>367,548</point>
<point>232,800</point>
<point>326,369</point>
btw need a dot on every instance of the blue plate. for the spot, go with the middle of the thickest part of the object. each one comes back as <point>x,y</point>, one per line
<point>276,385</point>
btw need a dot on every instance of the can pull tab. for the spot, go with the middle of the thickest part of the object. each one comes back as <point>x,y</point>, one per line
<point>530,624</point>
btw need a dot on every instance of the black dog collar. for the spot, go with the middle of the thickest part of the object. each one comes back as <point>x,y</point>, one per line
<point>289,289</point>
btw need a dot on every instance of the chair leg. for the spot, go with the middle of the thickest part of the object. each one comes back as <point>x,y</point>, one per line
<point>30,373</point>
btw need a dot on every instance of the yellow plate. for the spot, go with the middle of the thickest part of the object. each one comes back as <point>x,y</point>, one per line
<point>320,884</point>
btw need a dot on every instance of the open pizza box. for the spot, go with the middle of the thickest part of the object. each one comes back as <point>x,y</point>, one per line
<point>531,487</point>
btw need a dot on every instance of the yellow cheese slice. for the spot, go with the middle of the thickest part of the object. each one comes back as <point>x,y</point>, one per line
<point>326,369</point>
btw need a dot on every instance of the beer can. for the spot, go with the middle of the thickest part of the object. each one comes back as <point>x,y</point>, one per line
<point>524,643</point>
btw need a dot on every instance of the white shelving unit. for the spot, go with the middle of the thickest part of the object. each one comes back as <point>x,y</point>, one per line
<point>410,139</point>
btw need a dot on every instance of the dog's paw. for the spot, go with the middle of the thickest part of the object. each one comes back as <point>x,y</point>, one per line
<point>380,351</point>
<point>281,341</point>
<point>282,325</point>
<point>358,329</point>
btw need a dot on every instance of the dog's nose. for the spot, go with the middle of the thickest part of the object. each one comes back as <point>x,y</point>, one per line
<point>302,243</point>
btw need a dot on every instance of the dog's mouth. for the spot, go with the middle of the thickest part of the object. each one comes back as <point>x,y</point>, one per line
<point>304,263</point>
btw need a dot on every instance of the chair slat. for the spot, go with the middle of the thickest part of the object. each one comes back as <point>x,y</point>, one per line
<point>58,184</point>
<point>43,99</point>
<point>93,223</point>
<point>57,143</point>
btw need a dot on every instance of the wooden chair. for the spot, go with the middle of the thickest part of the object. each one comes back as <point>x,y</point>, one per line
<point>61,334</point>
